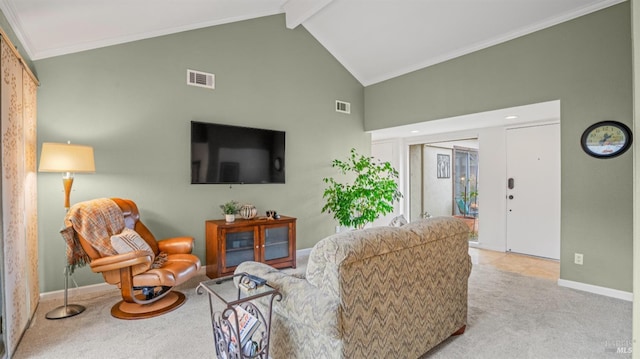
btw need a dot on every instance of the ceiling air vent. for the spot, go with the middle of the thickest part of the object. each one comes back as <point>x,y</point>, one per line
<point>201,79</point>
<point>343,107</point>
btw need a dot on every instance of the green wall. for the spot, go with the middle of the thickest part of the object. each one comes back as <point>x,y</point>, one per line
<point>635,28</point>
<point>586,63</point>
<point>131,103</point>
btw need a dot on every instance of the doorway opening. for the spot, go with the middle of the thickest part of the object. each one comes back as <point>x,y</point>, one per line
<point>443,181</point>
<point>465,194</point>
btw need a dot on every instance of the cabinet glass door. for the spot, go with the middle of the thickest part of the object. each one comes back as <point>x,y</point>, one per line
<point>276,242</point>
<point>239,247</point>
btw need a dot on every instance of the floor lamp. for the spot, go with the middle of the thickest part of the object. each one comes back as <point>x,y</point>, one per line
<point>68,159</point>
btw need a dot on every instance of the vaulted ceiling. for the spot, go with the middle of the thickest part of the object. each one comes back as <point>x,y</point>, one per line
<point>374,39</point>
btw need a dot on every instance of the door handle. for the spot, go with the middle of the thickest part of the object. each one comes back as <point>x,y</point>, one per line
<point>510,183</point>
<point>510,196</point>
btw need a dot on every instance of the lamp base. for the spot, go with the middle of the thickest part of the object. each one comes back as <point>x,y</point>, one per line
<point>65,311</point>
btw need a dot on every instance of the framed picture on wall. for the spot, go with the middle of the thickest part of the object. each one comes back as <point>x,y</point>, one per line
<point>444,165</point>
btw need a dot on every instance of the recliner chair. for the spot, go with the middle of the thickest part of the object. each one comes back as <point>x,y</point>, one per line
<point>145,274</point>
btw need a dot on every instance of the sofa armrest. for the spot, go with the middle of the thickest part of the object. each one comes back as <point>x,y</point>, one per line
<point>176,245</point>
<point>118,261</point>
<point>301,302</point>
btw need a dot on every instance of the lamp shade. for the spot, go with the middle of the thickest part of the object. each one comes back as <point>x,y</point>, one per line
<point>64,157</point>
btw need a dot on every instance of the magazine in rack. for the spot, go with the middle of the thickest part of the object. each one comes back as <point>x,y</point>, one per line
<point>248,325</point>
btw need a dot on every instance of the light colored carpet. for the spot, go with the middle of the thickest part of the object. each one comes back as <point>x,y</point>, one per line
<point>510,316</point>
<point>513,316</point>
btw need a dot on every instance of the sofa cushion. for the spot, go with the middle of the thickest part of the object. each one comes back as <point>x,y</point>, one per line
<point>340,249</point>
<point>432,229</point>
<point>328,255</point>
<point>128,241</point>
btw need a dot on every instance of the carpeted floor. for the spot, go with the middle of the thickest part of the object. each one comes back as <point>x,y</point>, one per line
<point>513,316</point>
<point>510,316</point>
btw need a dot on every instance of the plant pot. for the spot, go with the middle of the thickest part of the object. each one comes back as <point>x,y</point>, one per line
<point>230,218</point>
<point>472,223</point>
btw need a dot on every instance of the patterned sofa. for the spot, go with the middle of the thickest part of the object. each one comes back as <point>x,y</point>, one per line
<point>383,292</point>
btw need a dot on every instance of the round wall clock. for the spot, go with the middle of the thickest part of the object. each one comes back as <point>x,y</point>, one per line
<point>606,139</point>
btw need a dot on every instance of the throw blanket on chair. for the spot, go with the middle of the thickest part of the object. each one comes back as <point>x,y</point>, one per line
<point>96,221</point>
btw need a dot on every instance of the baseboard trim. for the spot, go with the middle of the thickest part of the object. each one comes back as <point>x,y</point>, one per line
<point>303,252</point>
<point>101,287</point>
<point>608,292</point>
<point>87,289</point>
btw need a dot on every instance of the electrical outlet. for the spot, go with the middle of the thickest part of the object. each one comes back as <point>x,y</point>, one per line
<point>578,258</point>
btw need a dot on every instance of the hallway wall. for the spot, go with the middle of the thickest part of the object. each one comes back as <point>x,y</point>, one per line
<point>585,63</point>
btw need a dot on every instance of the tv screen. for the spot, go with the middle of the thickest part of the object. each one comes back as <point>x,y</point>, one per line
<point>233,154</point>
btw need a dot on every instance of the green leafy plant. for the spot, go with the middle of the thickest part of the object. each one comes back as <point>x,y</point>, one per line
<point>231,207</point>
<point>372,193</point>
<point>470,197</point>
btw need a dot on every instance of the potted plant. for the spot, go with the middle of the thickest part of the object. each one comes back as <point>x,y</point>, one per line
<point>468,207</point>
<point>470,202</point>
<point>229,210</point>
<point>371,194</point>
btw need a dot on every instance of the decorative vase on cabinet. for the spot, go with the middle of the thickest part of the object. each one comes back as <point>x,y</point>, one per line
<point>248,211</point>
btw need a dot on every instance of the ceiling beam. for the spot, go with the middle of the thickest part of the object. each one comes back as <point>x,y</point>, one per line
<point>299,11</point>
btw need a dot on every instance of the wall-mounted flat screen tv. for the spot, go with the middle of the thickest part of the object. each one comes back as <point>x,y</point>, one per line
<point>234,154</point>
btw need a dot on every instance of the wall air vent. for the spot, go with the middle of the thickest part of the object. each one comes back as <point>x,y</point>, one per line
<point>201,79</point>
<point>343,107</point>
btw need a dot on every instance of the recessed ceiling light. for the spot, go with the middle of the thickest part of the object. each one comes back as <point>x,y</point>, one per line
<point>512,117</point>
<point>415,131</point>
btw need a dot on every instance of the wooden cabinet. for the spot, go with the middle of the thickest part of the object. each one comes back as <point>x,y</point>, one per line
<point>269,241</point>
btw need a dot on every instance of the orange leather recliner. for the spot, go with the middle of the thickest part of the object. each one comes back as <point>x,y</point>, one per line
<point>145,284</point>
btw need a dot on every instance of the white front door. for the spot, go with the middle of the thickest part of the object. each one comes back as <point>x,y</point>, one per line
<point>533,190</point>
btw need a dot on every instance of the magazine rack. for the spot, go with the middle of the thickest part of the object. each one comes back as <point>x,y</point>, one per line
<point>240,329</point>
